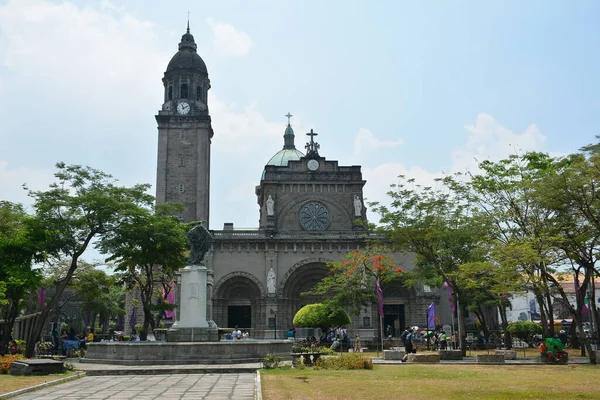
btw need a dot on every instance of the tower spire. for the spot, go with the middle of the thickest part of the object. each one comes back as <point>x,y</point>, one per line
<point>188,25</point>
<point>289,116</point>
<point>288,136</point>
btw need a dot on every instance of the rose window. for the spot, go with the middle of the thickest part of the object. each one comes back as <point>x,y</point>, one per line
<point>314,217</point>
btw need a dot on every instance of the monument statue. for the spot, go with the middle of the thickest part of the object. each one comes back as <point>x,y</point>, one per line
<point>200,239</point>
<point>357,206</point>
<point>270,206</point>
<point>271,281</point>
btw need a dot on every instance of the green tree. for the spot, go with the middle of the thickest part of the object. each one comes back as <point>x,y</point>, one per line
<point>321,315</point>
<point>147,248</point>
<point>19,246</point>
<point>524,229</point>
<point>352,281</point>
<point>441,227</point>
<point>573,193</point>
<point>84,204</point>
<point>524,330</point>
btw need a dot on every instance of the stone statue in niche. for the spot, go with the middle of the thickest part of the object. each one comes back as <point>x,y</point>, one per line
<point>271,281</point>
<point>270,206</point>
<point>357,206</point>
<point>200,239</point>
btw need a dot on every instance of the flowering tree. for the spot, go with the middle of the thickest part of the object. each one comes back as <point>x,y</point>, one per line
<point>356,280</point>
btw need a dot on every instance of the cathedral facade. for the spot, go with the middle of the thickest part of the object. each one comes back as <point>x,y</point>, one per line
<point>310,210</point>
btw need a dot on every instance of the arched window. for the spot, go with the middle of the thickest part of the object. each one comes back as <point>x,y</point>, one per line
<point>184,91</point>
<point>170,93</point>
<point>199,93</point>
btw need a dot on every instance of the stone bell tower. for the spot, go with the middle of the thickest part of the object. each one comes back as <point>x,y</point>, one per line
<point>184,134</point>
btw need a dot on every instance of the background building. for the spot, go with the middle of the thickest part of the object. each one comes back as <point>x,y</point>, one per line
<point>310,212</point>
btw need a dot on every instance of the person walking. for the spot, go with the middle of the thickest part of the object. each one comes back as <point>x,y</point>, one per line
<point>409,345</point>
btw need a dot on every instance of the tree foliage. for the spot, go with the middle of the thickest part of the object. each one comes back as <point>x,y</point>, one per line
<point>82,205</point>
<point>321,315</point>
<point>351,282</point>
<point>19,249</point>
<point>147,248</point>
<point>524,330</point>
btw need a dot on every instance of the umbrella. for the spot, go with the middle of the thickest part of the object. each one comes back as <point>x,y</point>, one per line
<point>554,345</point>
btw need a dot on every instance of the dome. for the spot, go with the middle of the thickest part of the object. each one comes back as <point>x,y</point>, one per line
<point>282,157</point>
<point>187,57</point>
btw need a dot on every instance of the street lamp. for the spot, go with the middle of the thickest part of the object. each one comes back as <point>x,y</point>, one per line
<point>274,314</point>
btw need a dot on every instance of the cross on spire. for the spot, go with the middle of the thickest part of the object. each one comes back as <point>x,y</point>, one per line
<point>288,115</point>
<point>312,147</point>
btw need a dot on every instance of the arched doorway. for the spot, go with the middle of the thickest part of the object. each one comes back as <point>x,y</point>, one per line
<point>236,301</point>
<point>300,279</point>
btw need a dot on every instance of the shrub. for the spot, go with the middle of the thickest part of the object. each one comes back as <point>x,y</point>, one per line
<point>346,361</point>
<point>271,361</point>
<point>524,330</point>
<point>326,350</point>
<point>7,360</point>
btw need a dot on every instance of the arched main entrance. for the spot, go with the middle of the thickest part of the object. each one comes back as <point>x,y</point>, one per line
<point>301,278</point>
<point>237,301</point>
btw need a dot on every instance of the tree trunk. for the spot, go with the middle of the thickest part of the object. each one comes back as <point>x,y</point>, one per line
<point>507,338</point>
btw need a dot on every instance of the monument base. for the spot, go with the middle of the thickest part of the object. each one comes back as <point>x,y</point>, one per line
<point>176,334</point>
<point>164,353</point>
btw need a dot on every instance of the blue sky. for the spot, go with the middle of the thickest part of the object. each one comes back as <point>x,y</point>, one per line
<point>416,88</point>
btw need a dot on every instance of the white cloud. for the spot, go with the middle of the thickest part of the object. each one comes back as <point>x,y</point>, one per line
<point>228,41</point>
<point>365,142</point>
<point>95,56</point>
<point>488,140</point>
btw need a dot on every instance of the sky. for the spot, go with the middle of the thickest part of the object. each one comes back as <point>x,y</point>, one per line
<point>398,87</point>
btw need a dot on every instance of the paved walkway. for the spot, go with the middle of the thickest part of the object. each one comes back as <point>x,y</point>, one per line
<point>167,387</point>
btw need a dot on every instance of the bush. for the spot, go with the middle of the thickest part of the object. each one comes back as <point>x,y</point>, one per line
<point>345,361</point>
<point>271,361</point>
<point>7,360</point>
<point>322,316</point>
<point>524,330</point>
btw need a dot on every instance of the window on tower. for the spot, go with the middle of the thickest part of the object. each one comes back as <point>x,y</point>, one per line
<point>181,188</point>
<point>199,93</point>
<point>184,91</point>
<point>170,93</point>
<point>182,136</point>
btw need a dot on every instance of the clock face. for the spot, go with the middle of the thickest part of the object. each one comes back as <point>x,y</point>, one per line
<point>183,108</point>
<point>312,165</point>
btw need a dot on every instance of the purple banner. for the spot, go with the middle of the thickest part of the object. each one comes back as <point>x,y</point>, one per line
<point>431,316</point>
<point>132,318</point>
<point>379,298</point>
<point>170,297</point>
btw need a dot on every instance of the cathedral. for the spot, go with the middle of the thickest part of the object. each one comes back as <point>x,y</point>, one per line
<point>310,210</point>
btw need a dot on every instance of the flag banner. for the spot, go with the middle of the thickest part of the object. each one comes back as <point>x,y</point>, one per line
<point>431,316</point>
<point>379,298</point>
<point>170,298</point>
<point>450,299</point>
<point>132,318</point>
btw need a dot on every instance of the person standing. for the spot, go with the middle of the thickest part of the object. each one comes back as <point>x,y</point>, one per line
<point>357,344</point>
<point>443,341</point>
<point>409,345</point>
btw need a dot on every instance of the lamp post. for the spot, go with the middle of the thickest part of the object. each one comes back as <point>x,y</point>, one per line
<point>274,314</point>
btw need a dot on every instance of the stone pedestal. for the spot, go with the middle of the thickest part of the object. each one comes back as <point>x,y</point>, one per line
<point>508,354</point>
<point>192,324</point>
<point>489,359</point>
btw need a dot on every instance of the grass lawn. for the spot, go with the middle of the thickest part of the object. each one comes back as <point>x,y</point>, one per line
<point>10,383</point>
<point>418,381</point>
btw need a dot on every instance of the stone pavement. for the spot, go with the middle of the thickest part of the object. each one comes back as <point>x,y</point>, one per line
<point>168,387</point>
